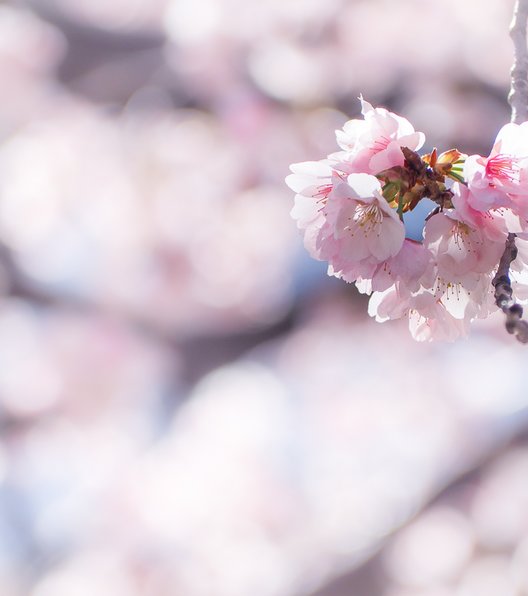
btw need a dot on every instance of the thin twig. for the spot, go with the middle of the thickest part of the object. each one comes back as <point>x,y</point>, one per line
<point>504,292</point>
<point>518,99</point>
<point>518,96</point>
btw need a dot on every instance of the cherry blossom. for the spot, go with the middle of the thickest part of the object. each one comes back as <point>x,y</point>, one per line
<point>432,321</point>
<point>374,144</point>
<point>413,267</point>
<point>362,221</point>
<point>442,312</point>
<point>494,179</point>
<point>458,247</point>
<point>428,316</point>
<point>493,223</point>
<point>350,207</point>
<point>346,222</point>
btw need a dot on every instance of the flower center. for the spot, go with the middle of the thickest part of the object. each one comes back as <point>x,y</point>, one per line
<point>446,290</point>
<point>367,217</point>
<point>323,191</point>
<point>503,167</point>
<point>364,218</point>
<point>461,237</point>
<point>368,214</point>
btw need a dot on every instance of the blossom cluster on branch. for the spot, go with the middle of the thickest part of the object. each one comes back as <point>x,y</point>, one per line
<point>355,206</point>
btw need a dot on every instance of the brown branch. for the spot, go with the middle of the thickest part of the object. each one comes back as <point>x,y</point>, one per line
<point>504,292</point>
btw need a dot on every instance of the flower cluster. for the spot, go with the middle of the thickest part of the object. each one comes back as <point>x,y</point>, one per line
<point>355,206</point>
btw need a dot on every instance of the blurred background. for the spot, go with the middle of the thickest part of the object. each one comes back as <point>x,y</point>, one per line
<point>189,406</point>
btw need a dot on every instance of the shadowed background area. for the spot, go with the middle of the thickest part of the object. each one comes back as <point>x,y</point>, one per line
<point>189,406</point>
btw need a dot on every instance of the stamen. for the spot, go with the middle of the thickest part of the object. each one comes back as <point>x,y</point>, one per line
<point>461,237</point>
<point>368,217</point>
<point>323,191</point>
<point>503,167</point>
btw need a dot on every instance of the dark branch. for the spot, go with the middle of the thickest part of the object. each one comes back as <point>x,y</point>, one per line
<point>504,293</point>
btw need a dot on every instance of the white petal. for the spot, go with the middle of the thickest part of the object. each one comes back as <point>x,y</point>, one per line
<point>317,169</point>
<point>389,242</point>
<point>366,107</point>
<point>456,300</point>
<point>364,186</point>
<point>305,210</point>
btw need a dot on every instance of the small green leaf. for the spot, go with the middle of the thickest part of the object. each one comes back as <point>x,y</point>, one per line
<point>456,176</point>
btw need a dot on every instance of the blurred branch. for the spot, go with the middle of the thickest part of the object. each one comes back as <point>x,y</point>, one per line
<point>200,353</point>
<point>518,96</point>
<point>105,38</point>
<point>369,577</point>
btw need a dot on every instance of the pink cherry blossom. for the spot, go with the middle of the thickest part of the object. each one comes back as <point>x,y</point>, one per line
<point>467,297</point>
<point>389,304</point>
<point>493,179</point>
<point>443,312</point>
<point>494,223</point>
<point>458,247</point>
<point>313,181</point>
<point>428,318</point>
<point>412,267</point>
<point>374,144</point>
<point>345,206</point>
<point>346,222</point>
<point>363,226</point>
